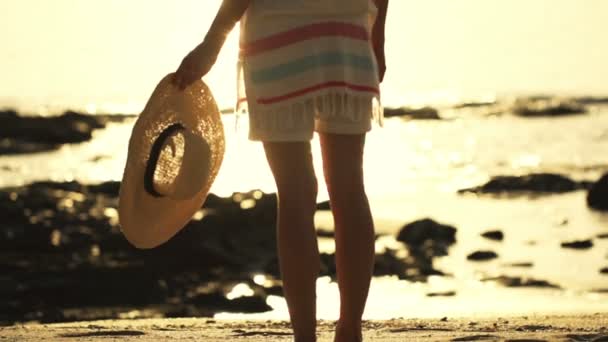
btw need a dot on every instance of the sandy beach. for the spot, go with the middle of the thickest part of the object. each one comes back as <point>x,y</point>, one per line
<point>525,328</point>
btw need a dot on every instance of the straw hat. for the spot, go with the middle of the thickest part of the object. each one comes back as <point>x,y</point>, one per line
<point>175,152</point>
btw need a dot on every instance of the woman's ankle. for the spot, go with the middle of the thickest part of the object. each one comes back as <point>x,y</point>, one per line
<point>307,338</point>
<point>348,331</point>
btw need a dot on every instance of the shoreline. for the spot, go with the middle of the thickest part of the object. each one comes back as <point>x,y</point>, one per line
<point>521,328</point>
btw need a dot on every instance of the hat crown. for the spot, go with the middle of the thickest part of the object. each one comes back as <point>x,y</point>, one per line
<point>182,167</point>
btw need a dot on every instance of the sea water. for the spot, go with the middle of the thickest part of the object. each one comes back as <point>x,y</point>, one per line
<point>107,56</point>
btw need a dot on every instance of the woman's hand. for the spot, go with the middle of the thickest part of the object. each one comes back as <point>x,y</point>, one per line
<point>196,65</point>
<point>198,62</point>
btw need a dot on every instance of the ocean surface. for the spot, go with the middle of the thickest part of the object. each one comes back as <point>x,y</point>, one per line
<point>107,56</point>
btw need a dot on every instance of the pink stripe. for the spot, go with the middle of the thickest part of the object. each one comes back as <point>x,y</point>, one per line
<point>317,87</point>
<point>304,33</point>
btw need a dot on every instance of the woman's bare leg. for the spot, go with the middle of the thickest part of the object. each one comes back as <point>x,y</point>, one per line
<point>291,165</point>
<point>343,169</point>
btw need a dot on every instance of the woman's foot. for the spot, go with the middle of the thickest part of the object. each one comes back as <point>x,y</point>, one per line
<point>348,333</point>
<point>305,338</point>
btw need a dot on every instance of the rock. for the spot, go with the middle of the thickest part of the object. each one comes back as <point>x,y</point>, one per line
<point>482,256</point>
<point>604,270</point>
<point>581,244</point>
<point>110,188</point>
<point>496,235</point>
<point>522,282</point>
<point>60,242</point>
<point>475,104</point>
<point>597,197</point>
<point>424,113</point>
<point>441,294</point>
<point>547,107</point>
<point>328,265</point>
<point>57,236</point>
<point>419,232</point>
<point>323,206</point>
<point>388,263</point>
<point>520,264</point>
<point>532,183</point>
<point>326,233</point>
<point>28,134</point>
<point>13,147</point>
<point>426,239</point>
<point>592,100</point>
<point>603,236</point>
<point>415,267</point>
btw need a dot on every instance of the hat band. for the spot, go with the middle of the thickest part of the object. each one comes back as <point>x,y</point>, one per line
<point>154,155</point>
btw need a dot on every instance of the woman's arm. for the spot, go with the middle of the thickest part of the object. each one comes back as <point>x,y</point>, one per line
<point>378,36</point>
<point>200,60</point>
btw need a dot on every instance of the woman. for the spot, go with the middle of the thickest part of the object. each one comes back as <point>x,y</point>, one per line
<point>309,65</point>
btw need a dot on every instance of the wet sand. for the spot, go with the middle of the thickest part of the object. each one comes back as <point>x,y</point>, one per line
<point>525,328</point>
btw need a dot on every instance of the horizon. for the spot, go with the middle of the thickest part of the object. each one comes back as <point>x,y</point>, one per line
<point>92,56</point>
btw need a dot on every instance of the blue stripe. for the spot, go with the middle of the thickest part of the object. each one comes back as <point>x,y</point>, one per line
<point>310,62</point>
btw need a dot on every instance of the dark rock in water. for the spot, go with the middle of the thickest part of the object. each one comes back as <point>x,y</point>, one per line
<point>604,270</point>
<point>60,242</point>
<point>592,100</point>
<point>110,188</point>
<point>323,206</point>
<point>522,282</point>
<point>28,134</point>
<point>11,147</point>
<point>441,294</point>
<point>597,197</point>
<point>582,244</point>
<point>213,202</point>
<point>519,264</point>
<point>325,233</point>
<point>494,235</point>
<point>548,107</point>
<point>328,265</point>
<point>603,236</point>
<point>427,237</point>
<point>482,256</point>
<point>536,183</point>
<point>414,267</point>
<point>388,263</point>
<point>418,232</point>
<point>475,104</point>
<point>424,113</point>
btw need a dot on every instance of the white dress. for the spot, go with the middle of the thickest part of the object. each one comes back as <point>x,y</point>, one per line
<point>307,65</point>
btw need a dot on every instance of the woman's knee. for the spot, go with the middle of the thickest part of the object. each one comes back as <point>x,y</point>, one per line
<point>300,190</point>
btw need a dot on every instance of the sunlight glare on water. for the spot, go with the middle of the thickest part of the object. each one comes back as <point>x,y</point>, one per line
<point>109,55</point>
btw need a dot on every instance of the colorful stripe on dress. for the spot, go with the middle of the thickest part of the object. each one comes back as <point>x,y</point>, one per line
<point>307,63</point>
<point>307,32</point>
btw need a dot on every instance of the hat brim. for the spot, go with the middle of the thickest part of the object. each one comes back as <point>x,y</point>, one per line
<point>148,220</point>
